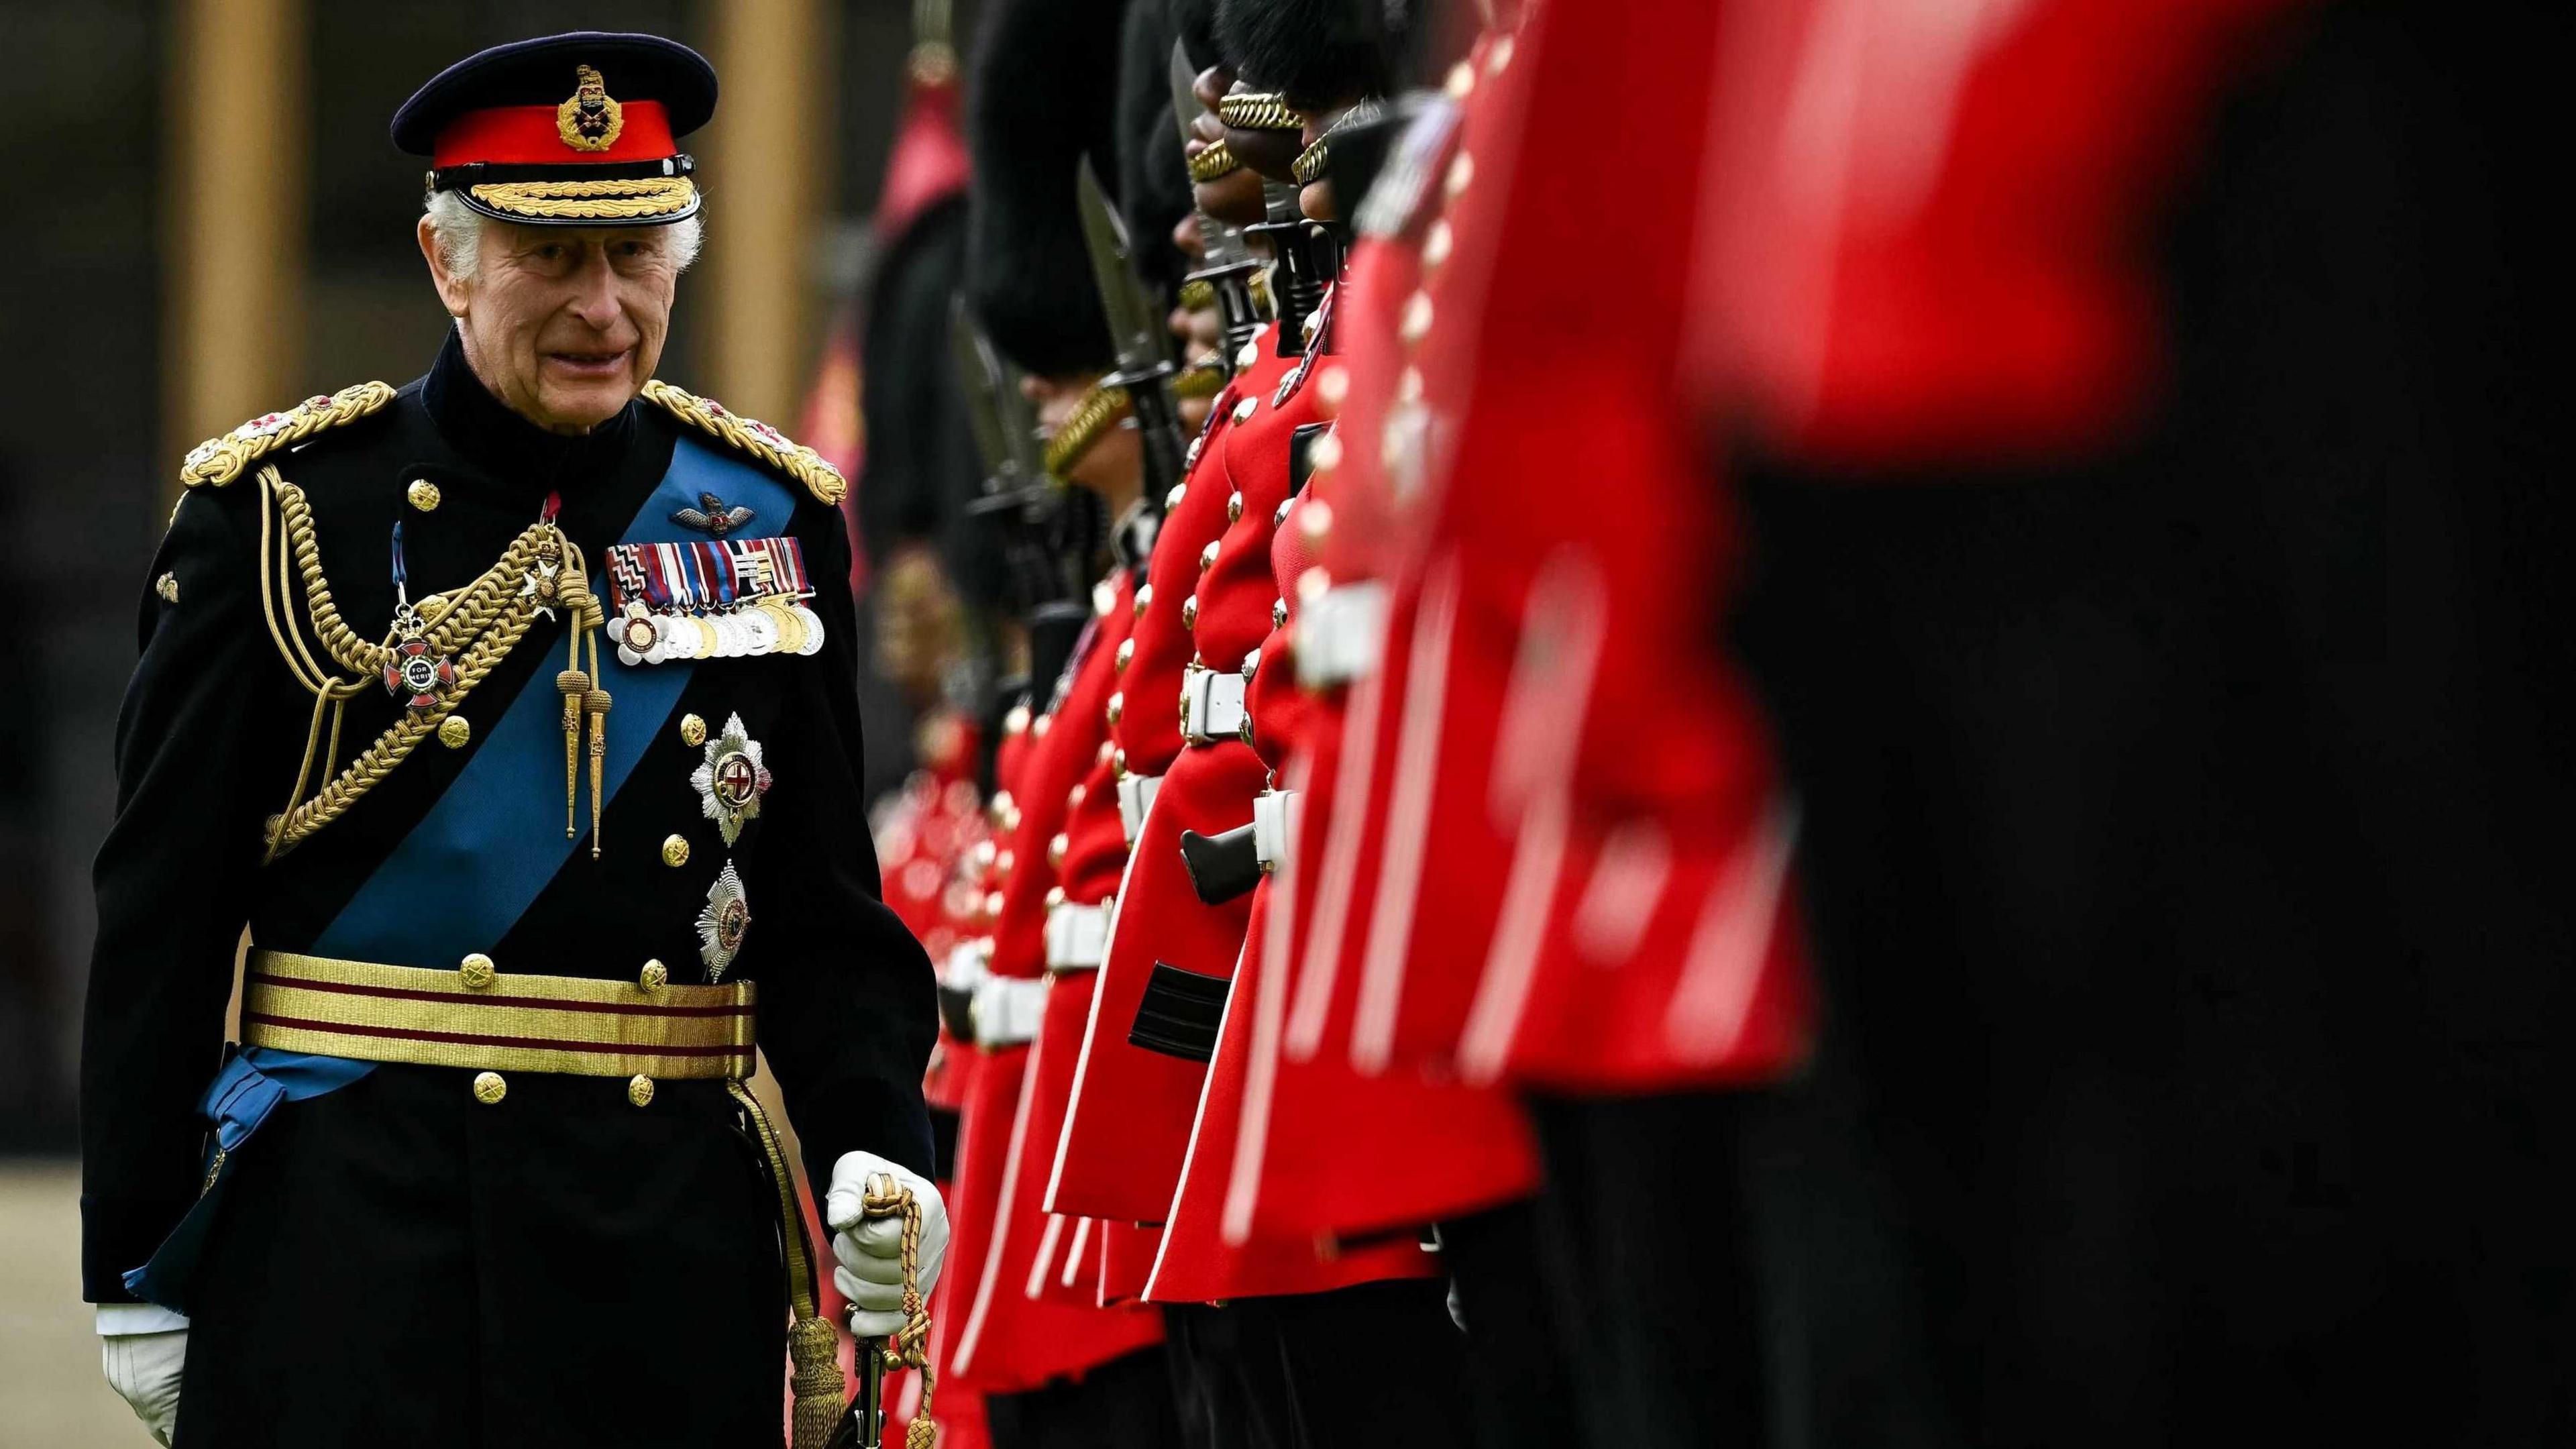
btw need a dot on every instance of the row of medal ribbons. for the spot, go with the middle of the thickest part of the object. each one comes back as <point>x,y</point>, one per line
<point>716,599</point>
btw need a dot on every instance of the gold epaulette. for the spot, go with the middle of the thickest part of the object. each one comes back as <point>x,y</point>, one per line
<point>751,436</point>
<point>218,461</point>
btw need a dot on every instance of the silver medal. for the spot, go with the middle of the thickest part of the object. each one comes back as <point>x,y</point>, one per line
<point>731,780</point>
<point>723,923</point>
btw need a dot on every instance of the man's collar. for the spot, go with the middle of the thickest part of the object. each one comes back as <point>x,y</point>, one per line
<point>505,444</point>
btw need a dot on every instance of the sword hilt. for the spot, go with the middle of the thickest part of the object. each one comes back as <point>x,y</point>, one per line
<point>907,1347</point>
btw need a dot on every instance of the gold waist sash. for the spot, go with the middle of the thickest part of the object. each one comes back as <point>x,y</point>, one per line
<point>496,1021</point>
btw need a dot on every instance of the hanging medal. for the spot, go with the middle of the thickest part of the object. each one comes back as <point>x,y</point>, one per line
<point>788,564</point>
<point>413,674</point>
<point>732,779</point>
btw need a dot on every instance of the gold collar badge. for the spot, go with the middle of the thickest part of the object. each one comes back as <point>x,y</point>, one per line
<point>590,119</point>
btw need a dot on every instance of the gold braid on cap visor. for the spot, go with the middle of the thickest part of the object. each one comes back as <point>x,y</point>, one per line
<point>1259,111</point>
<point>640,198</point>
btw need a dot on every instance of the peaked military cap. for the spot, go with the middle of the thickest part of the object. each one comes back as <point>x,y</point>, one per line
<point>568,130</point>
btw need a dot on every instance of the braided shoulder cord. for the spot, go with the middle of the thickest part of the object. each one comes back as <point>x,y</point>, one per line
<point>308,671</point>
<point>487,618</point>
<point>472,611</point>
<point>397,742</point>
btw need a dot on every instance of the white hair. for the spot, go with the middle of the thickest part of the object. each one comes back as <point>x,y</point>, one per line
<point>460,235</point>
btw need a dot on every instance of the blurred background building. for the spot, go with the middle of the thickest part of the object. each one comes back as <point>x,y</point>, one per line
<point>212,224</point>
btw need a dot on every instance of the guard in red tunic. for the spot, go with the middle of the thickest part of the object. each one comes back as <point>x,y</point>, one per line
<point>2130,408</point>
<point>1183,917</point>
<point>1445,1150</point>
<point>1058,1370</point>
<point>1568,756</point>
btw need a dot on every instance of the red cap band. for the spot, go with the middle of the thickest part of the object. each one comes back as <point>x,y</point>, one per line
<point>529,136</point>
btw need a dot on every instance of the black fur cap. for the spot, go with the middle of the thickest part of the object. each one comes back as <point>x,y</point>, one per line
<point>1041,93</point>
<point>1315,52</point>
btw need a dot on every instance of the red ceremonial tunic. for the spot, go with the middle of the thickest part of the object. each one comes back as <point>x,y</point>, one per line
<point>1128,1121</point>
<point>1408,883</point>
<point>1647,942</point>
<point>1036,1246</point>
<point>1067,1268</point>
<point>1005,1342</point>
<point>970,1198</point>
<point>1238,598</point>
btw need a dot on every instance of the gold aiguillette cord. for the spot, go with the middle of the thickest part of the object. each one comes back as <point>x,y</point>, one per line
<point>583,697</point>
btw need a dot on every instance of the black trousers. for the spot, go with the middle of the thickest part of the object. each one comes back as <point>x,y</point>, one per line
<point>1377,1363</point>
<point>1720,1270</point>
<point>1521,1362</point>
<point>1125,1403</point>
<point>396,1265</point>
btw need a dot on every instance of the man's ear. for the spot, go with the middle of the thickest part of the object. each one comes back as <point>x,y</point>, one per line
<point>451,288</point>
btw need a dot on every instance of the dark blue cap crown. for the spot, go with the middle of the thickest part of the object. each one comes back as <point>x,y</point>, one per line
<point>539,72</point>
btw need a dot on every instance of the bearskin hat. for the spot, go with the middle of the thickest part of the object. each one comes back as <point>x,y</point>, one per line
<point>1314,52</point>
<point>1039,98</point>
<point>1153,179</point>
<point>1194,22</point>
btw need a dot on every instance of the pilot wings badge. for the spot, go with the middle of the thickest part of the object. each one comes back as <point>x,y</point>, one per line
<point>713,516</point>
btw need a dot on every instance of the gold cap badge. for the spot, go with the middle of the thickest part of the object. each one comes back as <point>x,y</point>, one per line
<point>590,119</point>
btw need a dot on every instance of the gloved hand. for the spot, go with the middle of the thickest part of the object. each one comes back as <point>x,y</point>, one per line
<point>870,1250</point>
<point>144,1369</point>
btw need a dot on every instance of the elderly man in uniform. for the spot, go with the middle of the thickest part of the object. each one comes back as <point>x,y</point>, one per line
<point>512,713</point>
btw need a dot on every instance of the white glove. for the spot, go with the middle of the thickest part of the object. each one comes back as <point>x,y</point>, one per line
<point>143,1367</point>
<point>870,1250</point>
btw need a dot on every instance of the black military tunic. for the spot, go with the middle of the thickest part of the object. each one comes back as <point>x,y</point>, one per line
<point>400,1261</point>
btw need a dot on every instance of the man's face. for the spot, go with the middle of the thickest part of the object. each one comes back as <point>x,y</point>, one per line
<point>563,324</point>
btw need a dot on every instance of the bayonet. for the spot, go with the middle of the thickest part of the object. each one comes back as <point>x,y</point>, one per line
<point>1047,541</point>
<point>1136,334</point>
<point>978,376</point>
